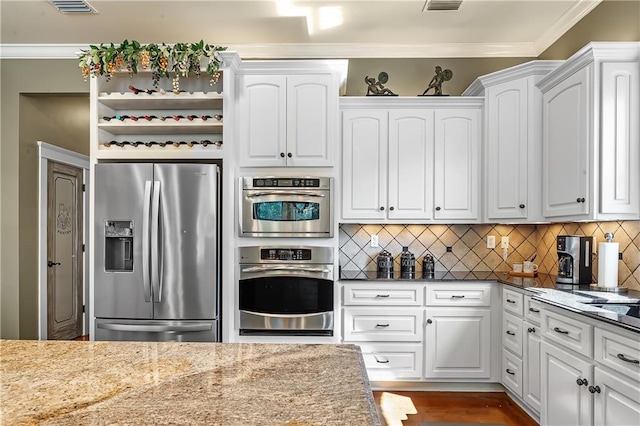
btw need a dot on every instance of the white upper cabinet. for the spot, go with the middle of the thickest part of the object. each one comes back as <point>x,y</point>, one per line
<point>512,152</point>
<point>390,150</point>
<point>457,164</point>
<point>288,116</point>
<point>591,110</point>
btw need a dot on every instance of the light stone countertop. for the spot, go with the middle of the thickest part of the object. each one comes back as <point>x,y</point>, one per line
<point>135,383</point>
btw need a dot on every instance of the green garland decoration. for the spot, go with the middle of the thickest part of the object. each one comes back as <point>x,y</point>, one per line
<point>181,59</point>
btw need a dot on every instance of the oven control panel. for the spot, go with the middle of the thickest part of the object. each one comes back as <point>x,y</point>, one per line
<point>286,183</point>
<point>285,254</point>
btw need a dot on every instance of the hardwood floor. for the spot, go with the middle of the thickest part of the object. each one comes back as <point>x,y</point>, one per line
<point>411,408</point>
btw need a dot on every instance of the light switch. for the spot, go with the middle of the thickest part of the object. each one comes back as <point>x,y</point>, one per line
<point>491,241</point>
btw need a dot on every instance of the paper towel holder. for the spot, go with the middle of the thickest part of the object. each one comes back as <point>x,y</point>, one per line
<point>608,236</point>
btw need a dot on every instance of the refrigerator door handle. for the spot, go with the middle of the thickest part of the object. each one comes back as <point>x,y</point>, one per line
<point>145,241</point>
<point>155,243</point>
<point>157,328</point>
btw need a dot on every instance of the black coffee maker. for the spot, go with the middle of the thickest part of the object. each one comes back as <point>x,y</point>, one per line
<point>574,259</point>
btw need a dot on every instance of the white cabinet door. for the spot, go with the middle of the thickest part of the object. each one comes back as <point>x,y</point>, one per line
<point>365,140</point>
<point>458,343</point>
<point>457,159</point>
<point>616,400</point>
<point>565,146</point>
<point>620,138</point>
<point>263,118</point>
<point>312,116</point>
<point>564,401</point>
<point>410,164</point>
<point>531,367</point>
<point>507,143</point>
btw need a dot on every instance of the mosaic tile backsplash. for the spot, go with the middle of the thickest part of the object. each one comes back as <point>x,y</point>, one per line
<point>464,247</point>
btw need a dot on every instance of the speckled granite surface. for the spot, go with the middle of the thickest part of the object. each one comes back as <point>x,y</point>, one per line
<point>132,383</point>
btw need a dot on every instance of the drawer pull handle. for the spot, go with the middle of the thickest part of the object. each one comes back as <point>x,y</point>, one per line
<point>510,372</point>
<point>594,389</point>
<point>582,382</point>
<point>531,330</point>
<point>511,301</point>
<point>534,310</point>
<point>559,330</point>
<point>382,295</point>
<point>457,296</point>
<point>511,333</point>
<point>381,361</point>
<point>382,325</point>
<point>625,359</point>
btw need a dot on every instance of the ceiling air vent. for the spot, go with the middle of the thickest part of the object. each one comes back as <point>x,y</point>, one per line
<point>441,5</point>
<point>73,6</point>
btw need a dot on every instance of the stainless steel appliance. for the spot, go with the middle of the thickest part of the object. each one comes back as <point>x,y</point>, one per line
<point>286,207</point>
<point>574,259</point>
<point>286,290</point>
<point>157,266</point>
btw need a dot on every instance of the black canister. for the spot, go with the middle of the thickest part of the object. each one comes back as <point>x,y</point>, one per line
<point>407,264</point>
<point>385,265</point>
<point>428,266</point>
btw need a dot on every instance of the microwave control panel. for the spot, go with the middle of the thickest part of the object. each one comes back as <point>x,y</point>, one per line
<point>285,254</point>
<point>286,183</point>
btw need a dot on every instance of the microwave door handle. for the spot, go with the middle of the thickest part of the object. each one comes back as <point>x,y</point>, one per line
<point>285,268</point>
<point>301,193</point>
<point>155,243</point>
<point>145,241</point>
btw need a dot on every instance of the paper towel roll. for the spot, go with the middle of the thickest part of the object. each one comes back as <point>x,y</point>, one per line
<point>608,265</point>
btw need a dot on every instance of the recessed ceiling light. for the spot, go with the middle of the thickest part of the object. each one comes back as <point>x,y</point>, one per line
<point>441,5</point>
<point>73,6</point>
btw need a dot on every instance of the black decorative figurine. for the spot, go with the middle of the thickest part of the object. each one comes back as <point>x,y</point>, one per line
<point>437,80</point>
<point>376,88</point>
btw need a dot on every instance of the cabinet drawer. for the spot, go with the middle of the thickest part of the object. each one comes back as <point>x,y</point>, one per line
<point>620,353</point>
<point>568,332</point>
<point>393,361</point>
<point>403,295</point>
<point>388,325</point>
<point>512,372</point>
<point>512,301</point>
<point>532,310</point>
<point>458,294</point>
<point>512,333</point>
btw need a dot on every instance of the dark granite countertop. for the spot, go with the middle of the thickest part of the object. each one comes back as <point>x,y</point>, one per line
<point>583,299</point>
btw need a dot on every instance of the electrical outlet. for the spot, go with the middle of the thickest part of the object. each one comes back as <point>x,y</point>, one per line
<point>374,241</point>
<point>491,241</point>
<point>505,243</point>
<point>505,254</point>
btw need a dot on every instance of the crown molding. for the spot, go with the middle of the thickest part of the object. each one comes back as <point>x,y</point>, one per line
<point>565,23</point>
<point>395,102</point>
<point>537,67</point>
<point>309,50</point>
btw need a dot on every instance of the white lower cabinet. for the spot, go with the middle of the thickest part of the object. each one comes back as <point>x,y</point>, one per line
<point>616,400</point>
<point>417,332</point>
<point>531,371</point>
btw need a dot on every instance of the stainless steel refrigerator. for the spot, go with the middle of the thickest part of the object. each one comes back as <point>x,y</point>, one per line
<point>157,267</point>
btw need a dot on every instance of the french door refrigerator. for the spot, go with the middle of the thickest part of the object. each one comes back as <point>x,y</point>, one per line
<point>157,268</point>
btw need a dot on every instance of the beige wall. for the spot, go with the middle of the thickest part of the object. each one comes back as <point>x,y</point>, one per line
<point>611,20</point>
<point>21,77</point>
<point>62,121</point>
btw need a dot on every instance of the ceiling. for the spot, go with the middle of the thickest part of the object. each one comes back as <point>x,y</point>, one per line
<point>298,28</point>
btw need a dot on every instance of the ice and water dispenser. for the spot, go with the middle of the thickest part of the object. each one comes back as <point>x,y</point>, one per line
<point>118,246</point>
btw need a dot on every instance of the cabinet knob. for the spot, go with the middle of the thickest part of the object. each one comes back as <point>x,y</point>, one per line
<point>437,209</point>
<point>289,155</point>
<point>594,389</point>
<point>580,200</point>
<point>582,382</point>
<point>51,264</point>
<point>391,208</point>
<point>531,330</point>
<point>521,206</point>
<point>429,321</point>
<point>381,208</point>
<point>282,154</point>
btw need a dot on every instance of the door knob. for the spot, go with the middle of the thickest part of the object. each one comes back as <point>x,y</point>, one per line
<point>582,382</point>
<point>594,389</point>
<point>51,264</point>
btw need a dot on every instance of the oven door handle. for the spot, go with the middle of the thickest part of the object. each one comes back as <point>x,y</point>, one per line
<point>301,193</point>
<point>285,268</point>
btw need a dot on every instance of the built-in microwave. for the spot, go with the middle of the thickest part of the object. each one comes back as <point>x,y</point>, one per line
<point>286,207</point>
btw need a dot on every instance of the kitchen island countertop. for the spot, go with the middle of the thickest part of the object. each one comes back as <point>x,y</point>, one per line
<point>69,383</point>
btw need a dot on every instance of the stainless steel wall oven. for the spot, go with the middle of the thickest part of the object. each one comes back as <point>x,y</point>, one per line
<point>286,290</point>
<point>286,207</point>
